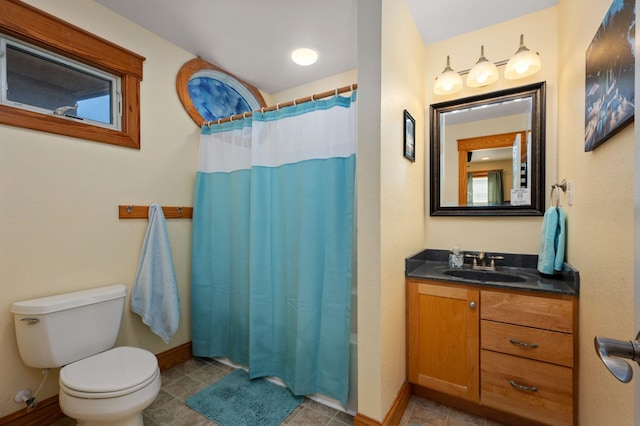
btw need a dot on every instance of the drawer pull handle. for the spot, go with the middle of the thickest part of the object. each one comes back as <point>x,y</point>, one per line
<point>523,388</point>
<point>523,344</point>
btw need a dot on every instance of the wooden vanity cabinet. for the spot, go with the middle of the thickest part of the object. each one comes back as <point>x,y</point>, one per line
<point>510,351</point>
<point>443,338</point>
<point>527,356</point>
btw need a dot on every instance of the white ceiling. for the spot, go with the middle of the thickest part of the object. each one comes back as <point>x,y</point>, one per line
<point>253,39</point>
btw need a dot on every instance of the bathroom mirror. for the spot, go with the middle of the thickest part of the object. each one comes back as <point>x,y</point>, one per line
<point>487,154</point>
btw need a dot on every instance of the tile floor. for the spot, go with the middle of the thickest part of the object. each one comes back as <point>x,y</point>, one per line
<point>422,412</point>
<point>188,378</point>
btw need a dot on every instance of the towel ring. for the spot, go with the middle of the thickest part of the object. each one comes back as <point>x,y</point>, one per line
<point>554,189</point>
<point>562,185</point>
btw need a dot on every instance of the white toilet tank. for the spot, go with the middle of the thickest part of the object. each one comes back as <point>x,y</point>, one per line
<point>57,330</point>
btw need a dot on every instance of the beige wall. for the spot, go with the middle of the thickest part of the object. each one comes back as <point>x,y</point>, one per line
<point>600,223</point>
<point>390,192</point>
<point>500,42</point>
<point>60,197</point>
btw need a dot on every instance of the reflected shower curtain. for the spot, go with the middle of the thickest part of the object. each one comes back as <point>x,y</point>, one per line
<point>496,191</point>
<point>272,243</point>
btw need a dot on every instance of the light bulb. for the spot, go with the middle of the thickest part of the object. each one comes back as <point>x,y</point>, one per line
<point>448,82</point>
<point>523,63</point>
<point>483,72</point>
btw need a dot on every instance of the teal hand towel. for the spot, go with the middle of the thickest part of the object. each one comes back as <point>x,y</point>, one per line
<point>552,241</point>
<point>155,290</point>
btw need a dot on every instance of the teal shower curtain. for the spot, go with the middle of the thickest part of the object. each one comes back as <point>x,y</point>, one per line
<point>272,244</point>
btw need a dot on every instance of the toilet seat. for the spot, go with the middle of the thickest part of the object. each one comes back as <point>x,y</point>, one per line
<point>109,374</point>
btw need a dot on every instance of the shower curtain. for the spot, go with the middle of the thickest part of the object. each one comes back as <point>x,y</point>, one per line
<point>496,187</point>
<point>272,243</point>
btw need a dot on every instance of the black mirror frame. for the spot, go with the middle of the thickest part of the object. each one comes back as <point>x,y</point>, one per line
<point>537,92</point>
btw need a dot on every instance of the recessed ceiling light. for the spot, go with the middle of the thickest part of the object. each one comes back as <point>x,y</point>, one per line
<point>485,158</point>
<point>304,56</point>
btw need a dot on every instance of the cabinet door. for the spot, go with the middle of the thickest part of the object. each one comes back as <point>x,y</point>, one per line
<point>443,338</point>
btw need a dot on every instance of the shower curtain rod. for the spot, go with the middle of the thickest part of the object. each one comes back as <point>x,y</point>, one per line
<point>313,97</point>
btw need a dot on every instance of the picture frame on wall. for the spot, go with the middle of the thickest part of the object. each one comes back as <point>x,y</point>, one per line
<point>409,136</point>
<point>610,73</point>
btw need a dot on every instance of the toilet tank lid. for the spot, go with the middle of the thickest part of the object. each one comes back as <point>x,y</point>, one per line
<point>60,302</point>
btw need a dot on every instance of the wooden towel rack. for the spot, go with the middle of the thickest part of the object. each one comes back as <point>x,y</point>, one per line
<point>142,212</point>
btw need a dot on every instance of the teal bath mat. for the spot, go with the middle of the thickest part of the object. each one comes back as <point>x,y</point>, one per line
<point>237,401</point>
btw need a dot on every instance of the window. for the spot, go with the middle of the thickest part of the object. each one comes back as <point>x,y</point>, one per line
<point>36,80</point>
<point>480,191</point>
<point>58,78</point>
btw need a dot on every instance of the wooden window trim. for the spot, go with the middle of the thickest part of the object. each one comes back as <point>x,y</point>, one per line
<point>502,140</point>
<point>29,24</point>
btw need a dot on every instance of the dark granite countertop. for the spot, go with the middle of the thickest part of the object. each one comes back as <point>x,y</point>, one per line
<point>433,264</point>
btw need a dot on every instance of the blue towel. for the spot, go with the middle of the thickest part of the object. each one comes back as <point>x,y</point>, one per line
<point>552,242</point>
<point>155,291</point>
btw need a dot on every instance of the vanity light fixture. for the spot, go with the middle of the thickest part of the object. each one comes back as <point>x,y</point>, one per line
<point>483,72</point>
<point>523,63</point>
<point>448,82</point>
<point>304,56</point>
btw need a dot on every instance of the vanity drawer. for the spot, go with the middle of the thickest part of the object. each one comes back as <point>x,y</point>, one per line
<point>529,311</point>
<point>534,343</point>
<point>547,396</point>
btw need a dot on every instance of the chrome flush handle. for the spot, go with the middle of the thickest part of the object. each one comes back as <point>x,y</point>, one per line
<point>30,321</point>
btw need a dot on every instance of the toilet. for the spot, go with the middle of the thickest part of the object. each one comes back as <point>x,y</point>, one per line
<point>99,384</point>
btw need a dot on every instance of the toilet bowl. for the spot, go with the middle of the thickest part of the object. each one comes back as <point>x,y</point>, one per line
<point>99,384</point>
<point>110,388</point>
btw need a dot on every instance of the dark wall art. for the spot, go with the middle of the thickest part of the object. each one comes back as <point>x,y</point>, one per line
<point>610,71</point>
<point>409,136</point>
